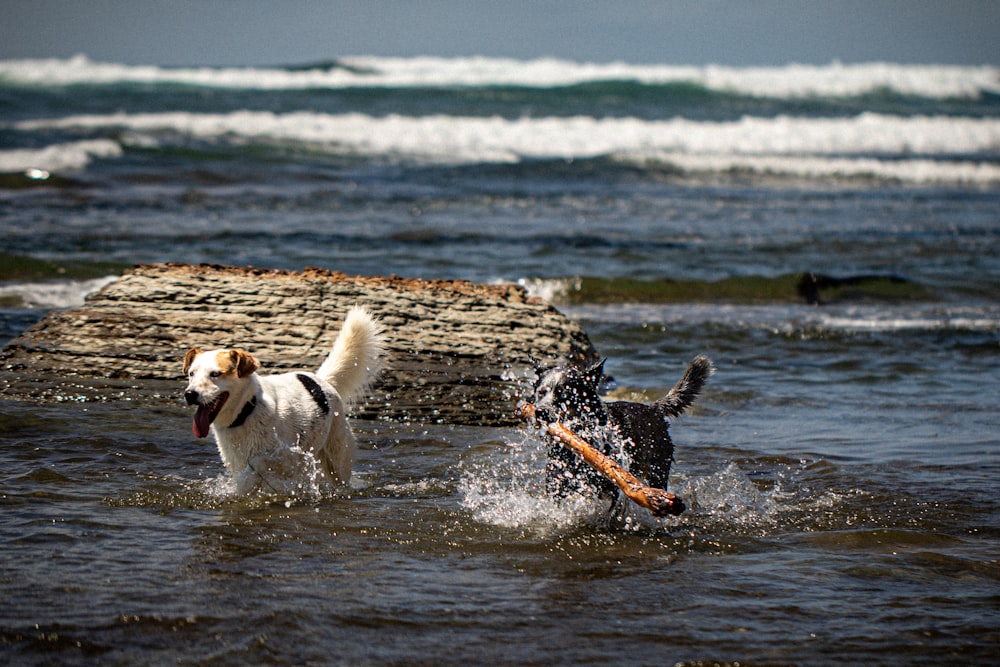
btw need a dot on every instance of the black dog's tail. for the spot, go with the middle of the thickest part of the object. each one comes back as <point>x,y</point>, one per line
<point>687,388</point>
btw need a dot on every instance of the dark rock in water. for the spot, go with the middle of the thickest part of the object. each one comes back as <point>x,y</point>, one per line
<point>458,351</point>
<point>881,287</point>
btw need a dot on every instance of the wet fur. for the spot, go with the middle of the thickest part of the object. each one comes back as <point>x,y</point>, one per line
<point>257,419</point>
<point>640,431</point>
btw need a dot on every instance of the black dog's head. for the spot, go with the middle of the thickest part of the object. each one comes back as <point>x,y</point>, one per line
<point>571,395</point>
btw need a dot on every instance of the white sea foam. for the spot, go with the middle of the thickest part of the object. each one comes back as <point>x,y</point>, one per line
<point>550,289</point>
<point>70,156</point>
<point>791,318</point>
<point>913,318</point>
<point>54,294</point>
<point>794,80</point>
<point>917,149</point>
<point>790,81</point>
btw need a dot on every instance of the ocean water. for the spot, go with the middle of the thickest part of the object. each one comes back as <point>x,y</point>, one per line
<point>841,470</point>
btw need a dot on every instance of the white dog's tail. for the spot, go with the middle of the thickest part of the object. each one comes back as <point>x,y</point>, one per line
<point>355,358</point>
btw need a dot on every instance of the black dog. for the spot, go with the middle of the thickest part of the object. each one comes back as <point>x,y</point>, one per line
<point>634,434</point>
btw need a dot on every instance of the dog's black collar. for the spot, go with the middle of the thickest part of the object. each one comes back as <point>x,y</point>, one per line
<point>244,413</point>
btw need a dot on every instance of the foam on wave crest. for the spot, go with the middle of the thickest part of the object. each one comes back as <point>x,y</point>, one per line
<point>53,294</point>
<point>69,156</point>
<point>916,149</point>
<point>789,81</point>
<point>794,319</point>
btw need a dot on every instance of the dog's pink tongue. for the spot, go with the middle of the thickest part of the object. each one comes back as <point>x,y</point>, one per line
<point>202,420</point>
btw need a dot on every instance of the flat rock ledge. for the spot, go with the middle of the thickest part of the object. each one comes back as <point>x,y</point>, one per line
<point>459,352</point>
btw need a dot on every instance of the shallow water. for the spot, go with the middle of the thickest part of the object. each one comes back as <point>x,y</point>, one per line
<point>809,537</point>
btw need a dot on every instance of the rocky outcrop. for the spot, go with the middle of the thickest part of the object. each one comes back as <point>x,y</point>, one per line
<point>459,352</point>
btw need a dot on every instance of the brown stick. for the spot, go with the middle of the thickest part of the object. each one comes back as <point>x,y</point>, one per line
<point>657,501</point>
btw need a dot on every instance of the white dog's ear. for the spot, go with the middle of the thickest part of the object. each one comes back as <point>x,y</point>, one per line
<point>245,362</point>
<point>189,358</point>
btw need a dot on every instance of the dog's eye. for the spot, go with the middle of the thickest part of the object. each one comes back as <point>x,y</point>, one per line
<point>214,374</point>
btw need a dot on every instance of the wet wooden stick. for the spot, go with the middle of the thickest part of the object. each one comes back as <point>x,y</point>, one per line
<point>657,501</point>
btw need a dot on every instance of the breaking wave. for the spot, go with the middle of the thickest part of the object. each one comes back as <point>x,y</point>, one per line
<point>919,149</point>
<point>790,81</point>
<point>69,156</point>
<point>52,294</point>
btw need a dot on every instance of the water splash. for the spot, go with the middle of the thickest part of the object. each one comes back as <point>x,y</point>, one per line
<point>728,500</point>
<point>510,493</point>
<point>288,475</point>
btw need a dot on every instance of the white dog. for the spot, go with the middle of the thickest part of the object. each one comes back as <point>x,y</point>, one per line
<point>264,425</point>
